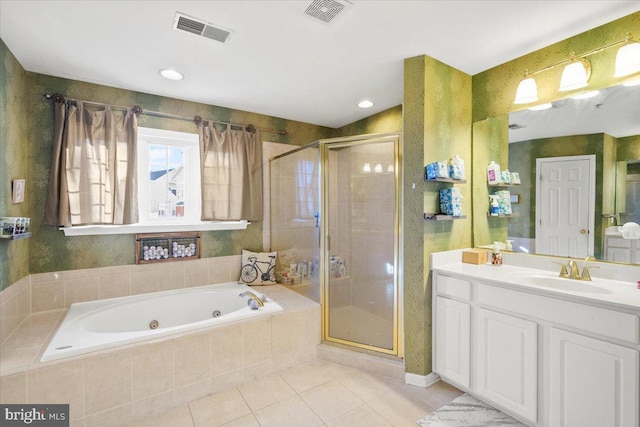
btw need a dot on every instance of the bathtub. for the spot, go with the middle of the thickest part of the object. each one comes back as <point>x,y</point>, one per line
<point>107,323</point>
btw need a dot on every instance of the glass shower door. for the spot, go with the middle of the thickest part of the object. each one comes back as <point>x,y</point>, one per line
<point>360,208</point>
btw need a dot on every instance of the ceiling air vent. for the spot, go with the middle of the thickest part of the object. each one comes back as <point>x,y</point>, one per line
<point>200,28</point>
<point>327,10</point>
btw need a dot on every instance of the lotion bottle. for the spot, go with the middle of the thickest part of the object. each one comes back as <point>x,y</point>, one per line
<point>493,173</point>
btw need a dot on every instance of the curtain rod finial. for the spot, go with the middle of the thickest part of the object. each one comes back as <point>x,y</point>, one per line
<point>197,120</point>
<point>137,110</point>
<point>57,98</point>
<point>250,128</point>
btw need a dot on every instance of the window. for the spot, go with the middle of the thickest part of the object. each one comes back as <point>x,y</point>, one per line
<point>168,188</point>
<point>168,177</point>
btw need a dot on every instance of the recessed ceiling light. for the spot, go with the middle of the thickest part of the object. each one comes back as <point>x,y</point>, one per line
<point>365,104</point>
<point>586,95</point>
<point>541,107</point>
<point>170,74</point>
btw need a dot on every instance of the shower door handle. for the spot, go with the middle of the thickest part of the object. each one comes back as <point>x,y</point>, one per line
<point>317,216</point>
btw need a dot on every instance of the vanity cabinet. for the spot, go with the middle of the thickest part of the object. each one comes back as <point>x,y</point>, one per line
<point>453,340</point>
<point>547,360</point>
<point>593,383</point>
<point>618,249</point>
<point>507,362</point>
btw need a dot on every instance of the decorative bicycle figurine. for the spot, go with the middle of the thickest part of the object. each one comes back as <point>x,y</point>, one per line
<point>250,272</point>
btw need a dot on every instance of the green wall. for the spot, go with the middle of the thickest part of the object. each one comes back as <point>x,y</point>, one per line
<point>495,89</point>
<point>628,148</point>
<point>388,121</point>
<point>28,155</point>
<point>437,125</point>
<point>487,230</point>
<point>14,163</point>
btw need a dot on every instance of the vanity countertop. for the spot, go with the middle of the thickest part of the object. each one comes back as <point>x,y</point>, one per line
<point>601,291</point>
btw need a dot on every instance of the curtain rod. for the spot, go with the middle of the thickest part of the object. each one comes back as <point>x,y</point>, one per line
<point>138,110</point>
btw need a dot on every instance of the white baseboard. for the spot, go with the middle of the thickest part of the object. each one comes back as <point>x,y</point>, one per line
<point>421,380</point>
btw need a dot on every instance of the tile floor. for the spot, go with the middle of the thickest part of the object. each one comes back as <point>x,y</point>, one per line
<point>316,394</point>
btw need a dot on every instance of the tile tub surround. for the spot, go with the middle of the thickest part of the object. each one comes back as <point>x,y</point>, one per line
<point>59,289</point>
<point>139,380</point>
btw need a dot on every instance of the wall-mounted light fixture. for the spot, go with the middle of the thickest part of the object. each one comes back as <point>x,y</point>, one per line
<point>577,70</point>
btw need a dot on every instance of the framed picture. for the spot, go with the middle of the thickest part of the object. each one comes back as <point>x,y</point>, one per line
<point>515,198</point>
<point>17,194</point>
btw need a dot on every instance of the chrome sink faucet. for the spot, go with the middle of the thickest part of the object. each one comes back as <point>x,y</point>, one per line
<point>254,301</point>
<point>574,271</point>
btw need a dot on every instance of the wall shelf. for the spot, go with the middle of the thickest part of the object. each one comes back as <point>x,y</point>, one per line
<point>515,215</point>
<point>448,180</point>
<point>503,185</point>
<point>17,236</point>
<point>442,217</point>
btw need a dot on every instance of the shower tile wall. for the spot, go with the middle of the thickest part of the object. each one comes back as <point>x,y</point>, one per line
<point>294,202</point>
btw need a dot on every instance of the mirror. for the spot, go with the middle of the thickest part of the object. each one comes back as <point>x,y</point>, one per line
<point>597,136</point>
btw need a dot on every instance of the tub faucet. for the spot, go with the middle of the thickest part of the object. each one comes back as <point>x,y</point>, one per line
<point>259,302</point>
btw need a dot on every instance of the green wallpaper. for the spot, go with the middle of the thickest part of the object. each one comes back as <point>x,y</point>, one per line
<point>14,163</point>
<point>494,90</point>
<point>486,133</point>
<point>437,125</point>
<point>388,121</point>
<point>628,148</point>
<point>28,155</point>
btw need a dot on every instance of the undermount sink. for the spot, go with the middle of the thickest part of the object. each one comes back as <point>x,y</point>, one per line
<point>561,283</point>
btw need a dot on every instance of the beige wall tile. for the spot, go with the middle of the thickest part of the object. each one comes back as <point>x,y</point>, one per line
<point>80,289</point>
<point>259,370</point>
<point>46,277</point>
<point>47,296</point>
<point>114,285</point>
<point>77,423</point>
<point>169,280</point>
<point>152,369</point>
<point>58,384</point>
<point>196,275</point>
<point>13,389</point>
<point>219,273</point>
<point>256,341</point>
<point>192,359</point>
<point>285,334</point>
<point>115,417</point>
<point>219,409</point>
<point>226,349</point>
<point>107,381</point>
<point>143,282</point>
<point>13,359</point>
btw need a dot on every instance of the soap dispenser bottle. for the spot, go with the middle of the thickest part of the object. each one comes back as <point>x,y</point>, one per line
<point>495,206</point>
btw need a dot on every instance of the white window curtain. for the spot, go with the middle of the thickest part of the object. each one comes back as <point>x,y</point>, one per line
<point>231,168</point>
<point>93,169</point>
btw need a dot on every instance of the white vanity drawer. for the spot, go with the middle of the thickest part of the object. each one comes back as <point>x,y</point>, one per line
<point>453,287</point>
<point>601,321</point>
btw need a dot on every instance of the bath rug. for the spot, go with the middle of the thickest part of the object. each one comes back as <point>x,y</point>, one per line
<point>258,268</point>
<point>467,411</point>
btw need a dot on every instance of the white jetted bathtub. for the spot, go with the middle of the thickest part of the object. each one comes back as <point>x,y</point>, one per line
<point>101,324</point>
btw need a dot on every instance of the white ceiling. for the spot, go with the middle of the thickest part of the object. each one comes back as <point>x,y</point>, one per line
<point>278,61</point>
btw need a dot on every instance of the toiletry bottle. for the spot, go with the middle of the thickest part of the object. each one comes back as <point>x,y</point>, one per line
<point>493,173</point>
<point>495,207</point>
<point>496,255</point>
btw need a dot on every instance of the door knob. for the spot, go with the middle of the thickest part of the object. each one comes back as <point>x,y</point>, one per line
<point>583,231</point>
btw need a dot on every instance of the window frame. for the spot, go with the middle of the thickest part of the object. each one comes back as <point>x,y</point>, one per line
<point>191,222</point>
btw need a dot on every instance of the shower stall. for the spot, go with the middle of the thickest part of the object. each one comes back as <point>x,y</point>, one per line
<point>335,222</point>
